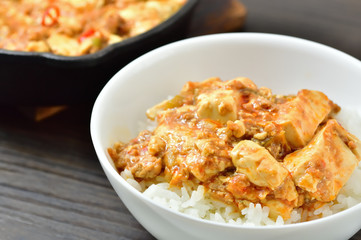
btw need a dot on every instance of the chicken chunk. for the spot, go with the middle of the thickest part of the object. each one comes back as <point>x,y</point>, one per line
<point>326,163</point>
<point>301,116</point>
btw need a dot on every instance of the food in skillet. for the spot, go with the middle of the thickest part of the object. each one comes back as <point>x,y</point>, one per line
<point>235,143</point>
<point>73,27</point>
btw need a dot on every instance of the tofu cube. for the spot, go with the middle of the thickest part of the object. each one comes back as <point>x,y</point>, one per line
<point>261,168</point>
<point>63,45</point>
<point>326,163</point>
<point>219,105</point>
<point>301,116</point>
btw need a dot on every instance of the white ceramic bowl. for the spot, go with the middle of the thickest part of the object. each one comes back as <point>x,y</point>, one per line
<point>284,64</point>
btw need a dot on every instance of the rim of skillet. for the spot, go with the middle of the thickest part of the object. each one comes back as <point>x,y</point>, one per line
<point>93,58</point>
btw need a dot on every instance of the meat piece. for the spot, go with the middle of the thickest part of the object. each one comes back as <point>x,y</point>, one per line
<point>210,158</point>
<point>136,156</point>
<point>156,145</point>
<point>234,129</point>
<point>287,190</point>
<point>242,189</point>
<point>203,158</point>
<point>115,24</point>
<point>277,144</point>
<point>301,116</point>
<point>147,167</point>
<point>216,187</point>
<point>258,164</point>
<point>326,163</point>
<point>237,189</point>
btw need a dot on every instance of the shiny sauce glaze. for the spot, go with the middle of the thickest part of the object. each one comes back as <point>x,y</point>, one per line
<point>246,145</point>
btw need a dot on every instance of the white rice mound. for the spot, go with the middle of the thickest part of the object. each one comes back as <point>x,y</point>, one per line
<point>191,199</point>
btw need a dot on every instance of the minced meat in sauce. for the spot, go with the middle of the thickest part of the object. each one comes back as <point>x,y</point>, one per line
<point>246,145</point>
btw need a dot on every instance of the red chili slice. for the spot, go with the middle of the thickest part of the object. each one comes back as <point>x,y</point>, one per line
<point>89,33</point>
<point>50,16</point>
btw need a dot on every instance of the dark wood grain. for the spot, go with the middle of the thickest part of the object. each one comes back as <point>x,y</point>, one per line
<point>336,23</point>
<point>51,184</point>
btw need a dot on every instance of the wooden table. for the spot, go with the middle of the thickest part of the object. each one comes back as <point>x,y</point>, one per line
<point>51,184</point>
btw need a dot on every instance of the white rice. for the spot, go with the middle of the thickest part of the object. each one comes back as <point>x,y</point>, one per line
<point>191,200</point>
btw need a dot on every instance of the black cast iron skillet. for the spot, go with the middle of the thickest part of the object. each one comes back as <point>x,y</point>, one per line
<point>32,78</point>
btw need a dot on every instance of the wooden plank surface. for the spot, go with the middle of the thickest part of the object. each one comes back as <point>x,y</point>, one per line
<point>336,23</point>
<point>51,184</point>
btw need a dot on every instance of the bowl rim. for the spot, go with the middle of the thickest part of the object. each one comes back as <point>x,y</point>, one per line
<point>104,158</point>
<point>52,58</point>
